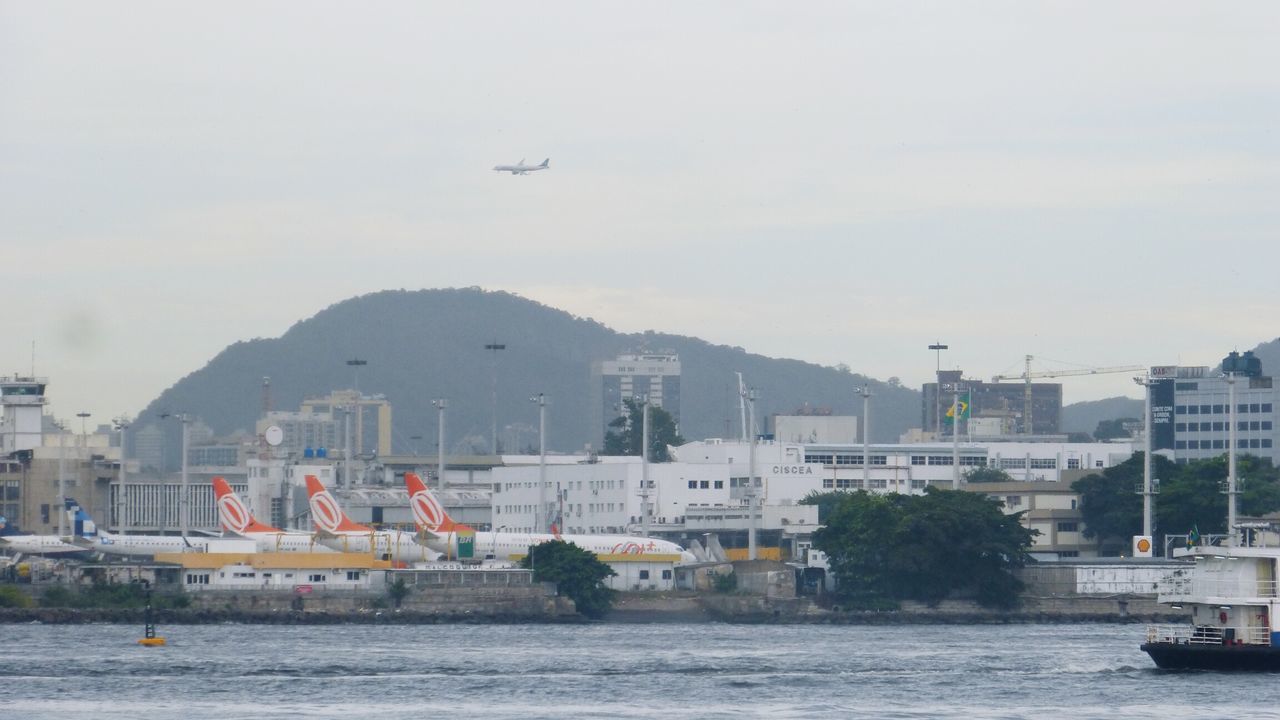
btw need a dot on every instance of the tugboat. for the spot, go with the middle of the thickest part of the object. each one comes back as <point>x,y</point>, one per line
<point>1231,592</point>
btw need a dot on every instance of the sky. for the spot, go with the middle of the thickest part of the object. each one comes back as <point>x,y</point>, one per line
<point>1090,183</point>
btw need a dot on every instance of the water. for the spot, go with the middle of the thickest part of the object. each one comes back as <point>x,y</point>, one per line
<point>616,671</point>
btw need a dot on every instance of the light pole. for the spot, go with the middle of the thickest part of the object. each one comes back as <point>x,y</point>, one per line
<point>540,517</point>
<point>1147,509</point>
<point>122,424</point>
<point>493,348</point>
<point>355,364</point>
<point>865,392</point>
<point>62,478</point>
<point>644,464</point>
<point>441,404</point>
<point>82,455</point>
<point>956,412</point>
<point>1231,459</point>
<point>751,477</point>
<point>937,347</point>
<point>184,504</point>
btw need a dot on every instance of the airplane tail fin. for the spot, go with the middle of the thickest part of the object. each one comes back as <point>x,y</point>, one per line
<point>82,524</point>
<point>234,514</point>
<point>546,163</point>
<point>428,514</point>
<point>326,513</point>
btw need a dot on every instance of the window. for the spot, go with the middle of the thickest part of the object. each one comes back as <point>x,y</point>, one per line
<point>1186,386</point>
<point>1073,463</point>
<point>693,484</point>
<point>878,484</point>
<point>917,460</point>
<point>1219,426</point>
<point>719,485</point>
<point>1255,443</point>
<point>1242,425</point>
<point>879,459</point>
<point>666,574</point>
<point>644,574</point>
<point>1266,424</point>
<point>1068,553</point>
<point>1193,444</point>
<point>1266,407</point>
<point>842,483</point>
<point>973,461</point>
<point>1193,427</point>
<point>705,484</point>
<point>353,575</point>
<point>1044,463</point>
<point>1193,409</point>
<point>1180,410</point>
<point>1255,407</point>
<point>828,483</point>
<point>919,483</point>
<point>1013,463</point>
<point>1218,444</point>
<point>1266,442</point>
<point>1179,444</point>
<point>939,459</point>
<point>1218,409</point>
<point>1179,427</point>
<point>317,578</point>
<point>1013,501</point>
<point>1068,526</point>
<point>1206,409</point>
<point>1242,408</point>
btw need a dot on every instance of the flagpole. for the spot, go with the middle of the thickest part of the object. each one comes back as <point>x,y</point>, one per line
<point>955,440</point>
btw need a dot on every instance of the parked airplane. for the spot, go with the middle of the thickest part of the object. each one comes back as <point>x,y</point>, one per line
<point>521,169</point>
<point>81,526</point>
<point>440,533</point>
<point>237,519</point>
<point>335,530</point>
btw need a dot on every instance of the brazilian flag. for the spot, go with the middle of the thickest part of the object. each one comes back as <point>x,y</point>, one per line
<point>1193,537</point>
<point>963,407</point>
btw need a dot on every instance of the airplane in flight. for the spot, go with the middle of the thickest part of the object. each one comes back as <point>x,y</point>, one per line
<point>440,533</point>
<point>335,530</point>
<point>521,169</point>
<point>238,520</point>
<point>27,544</point>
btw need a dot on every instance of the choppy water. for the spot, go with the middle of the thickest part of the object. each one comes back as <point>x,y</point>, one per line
<point>619,671</point>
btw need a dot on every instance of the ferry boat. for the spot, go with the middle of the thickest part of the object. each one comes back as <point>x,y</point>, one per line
<point>1231,593</point>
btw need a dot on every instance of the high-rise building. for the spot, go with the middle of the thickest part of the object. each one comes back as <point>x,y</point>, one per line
<point>1191,409</point>
<point>631,375</point>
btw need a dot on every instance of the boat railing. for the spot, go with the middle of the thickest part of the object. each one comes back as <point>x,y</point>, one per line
<point>1207,635</point>
<point>1181,586</point>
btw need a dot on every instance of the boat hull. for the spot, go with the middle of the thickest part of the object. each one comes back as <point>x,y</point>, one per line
<point>1183,656</point>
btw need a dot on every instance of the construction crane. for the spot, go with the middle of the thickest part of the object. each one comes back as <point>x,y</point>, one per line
<point>1027,375</point>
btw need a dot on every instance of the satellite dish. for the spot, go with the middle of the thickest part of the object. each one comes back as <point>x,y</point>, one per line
<point>273,435</point>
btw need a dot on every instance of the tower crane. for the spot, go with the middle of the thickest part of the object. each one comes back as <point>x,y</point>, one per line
<point>1027,375</point>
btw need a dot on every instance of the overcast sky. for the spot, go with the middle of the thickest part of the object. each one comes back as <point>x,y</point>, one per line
<point>1094,184</point>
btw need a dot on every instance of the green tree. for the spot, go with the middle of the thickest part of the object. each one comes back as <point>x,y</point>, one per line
<point>1193,497</point>
<point>12,597</point>
<point>988,475</point>
<point>626,432</point>
<point>826,502</point>
<point>1112,429</point>
<point>888,548</point>
<point>577,573</point>
<point>1109,504</point>
<point>398,591</point>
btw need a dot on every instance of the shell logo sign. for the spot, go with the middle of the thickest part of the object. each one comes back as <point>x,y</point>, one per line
<point>325,511</point>
<point>426,511</point>
<point>1142,546</point>
<point>233,513</point>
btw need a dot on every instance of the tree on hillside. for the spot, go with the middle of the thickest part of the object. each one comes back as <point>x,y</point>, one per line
<point>626,432</point>
<point>577,573</point>
<point>888,548</point>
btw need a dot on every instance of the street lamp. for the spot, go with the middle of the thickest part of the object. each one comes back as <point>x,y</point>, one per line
<point>121,424</point>
<point>62,477</point>
<point>937,347</point>
<point>494,347</point>
<point>539,517</point>
<point>865,392</point>
<point>1147,510</point>
<point>643,399</point>
<point>750,397</point>
<point>355,364</point>
<point>441,404</point>
<point>184,504</point>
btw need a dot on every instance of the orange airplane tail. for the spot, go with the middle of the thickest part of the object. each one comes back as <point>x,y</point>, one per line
<point>326,514</point>
<point>428,513</point>
<point>234,515</point>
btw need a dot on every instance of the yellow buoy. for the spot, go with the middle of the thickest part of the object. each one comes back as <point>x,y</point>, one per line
<point>151,641</point>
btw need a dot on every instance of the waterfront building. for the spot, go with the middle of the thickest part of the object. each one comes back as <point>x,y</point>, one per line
<point>1191,410</point>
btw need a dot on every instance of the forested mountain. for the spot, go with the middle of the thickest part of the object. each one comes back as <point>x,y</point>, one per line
<point>425,344</point>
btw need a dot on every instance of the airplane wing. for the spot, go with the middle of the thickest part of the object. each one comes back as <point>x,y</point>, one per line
<point>79,541</point>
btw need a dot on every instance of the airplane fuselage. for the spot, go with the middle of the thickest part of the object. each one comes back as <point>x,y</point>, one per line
<point>146,545</point>
<point>513,546</point>
<point>39,545</point>
<point>393,544</point>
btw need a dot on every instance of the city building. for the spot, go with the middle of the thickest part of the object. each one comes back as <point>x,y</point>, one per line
<point>655,375</point>
<point>1191,409</point>
<point>372,437</point>
<point>21,413</point>
<point>1003,403</point>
